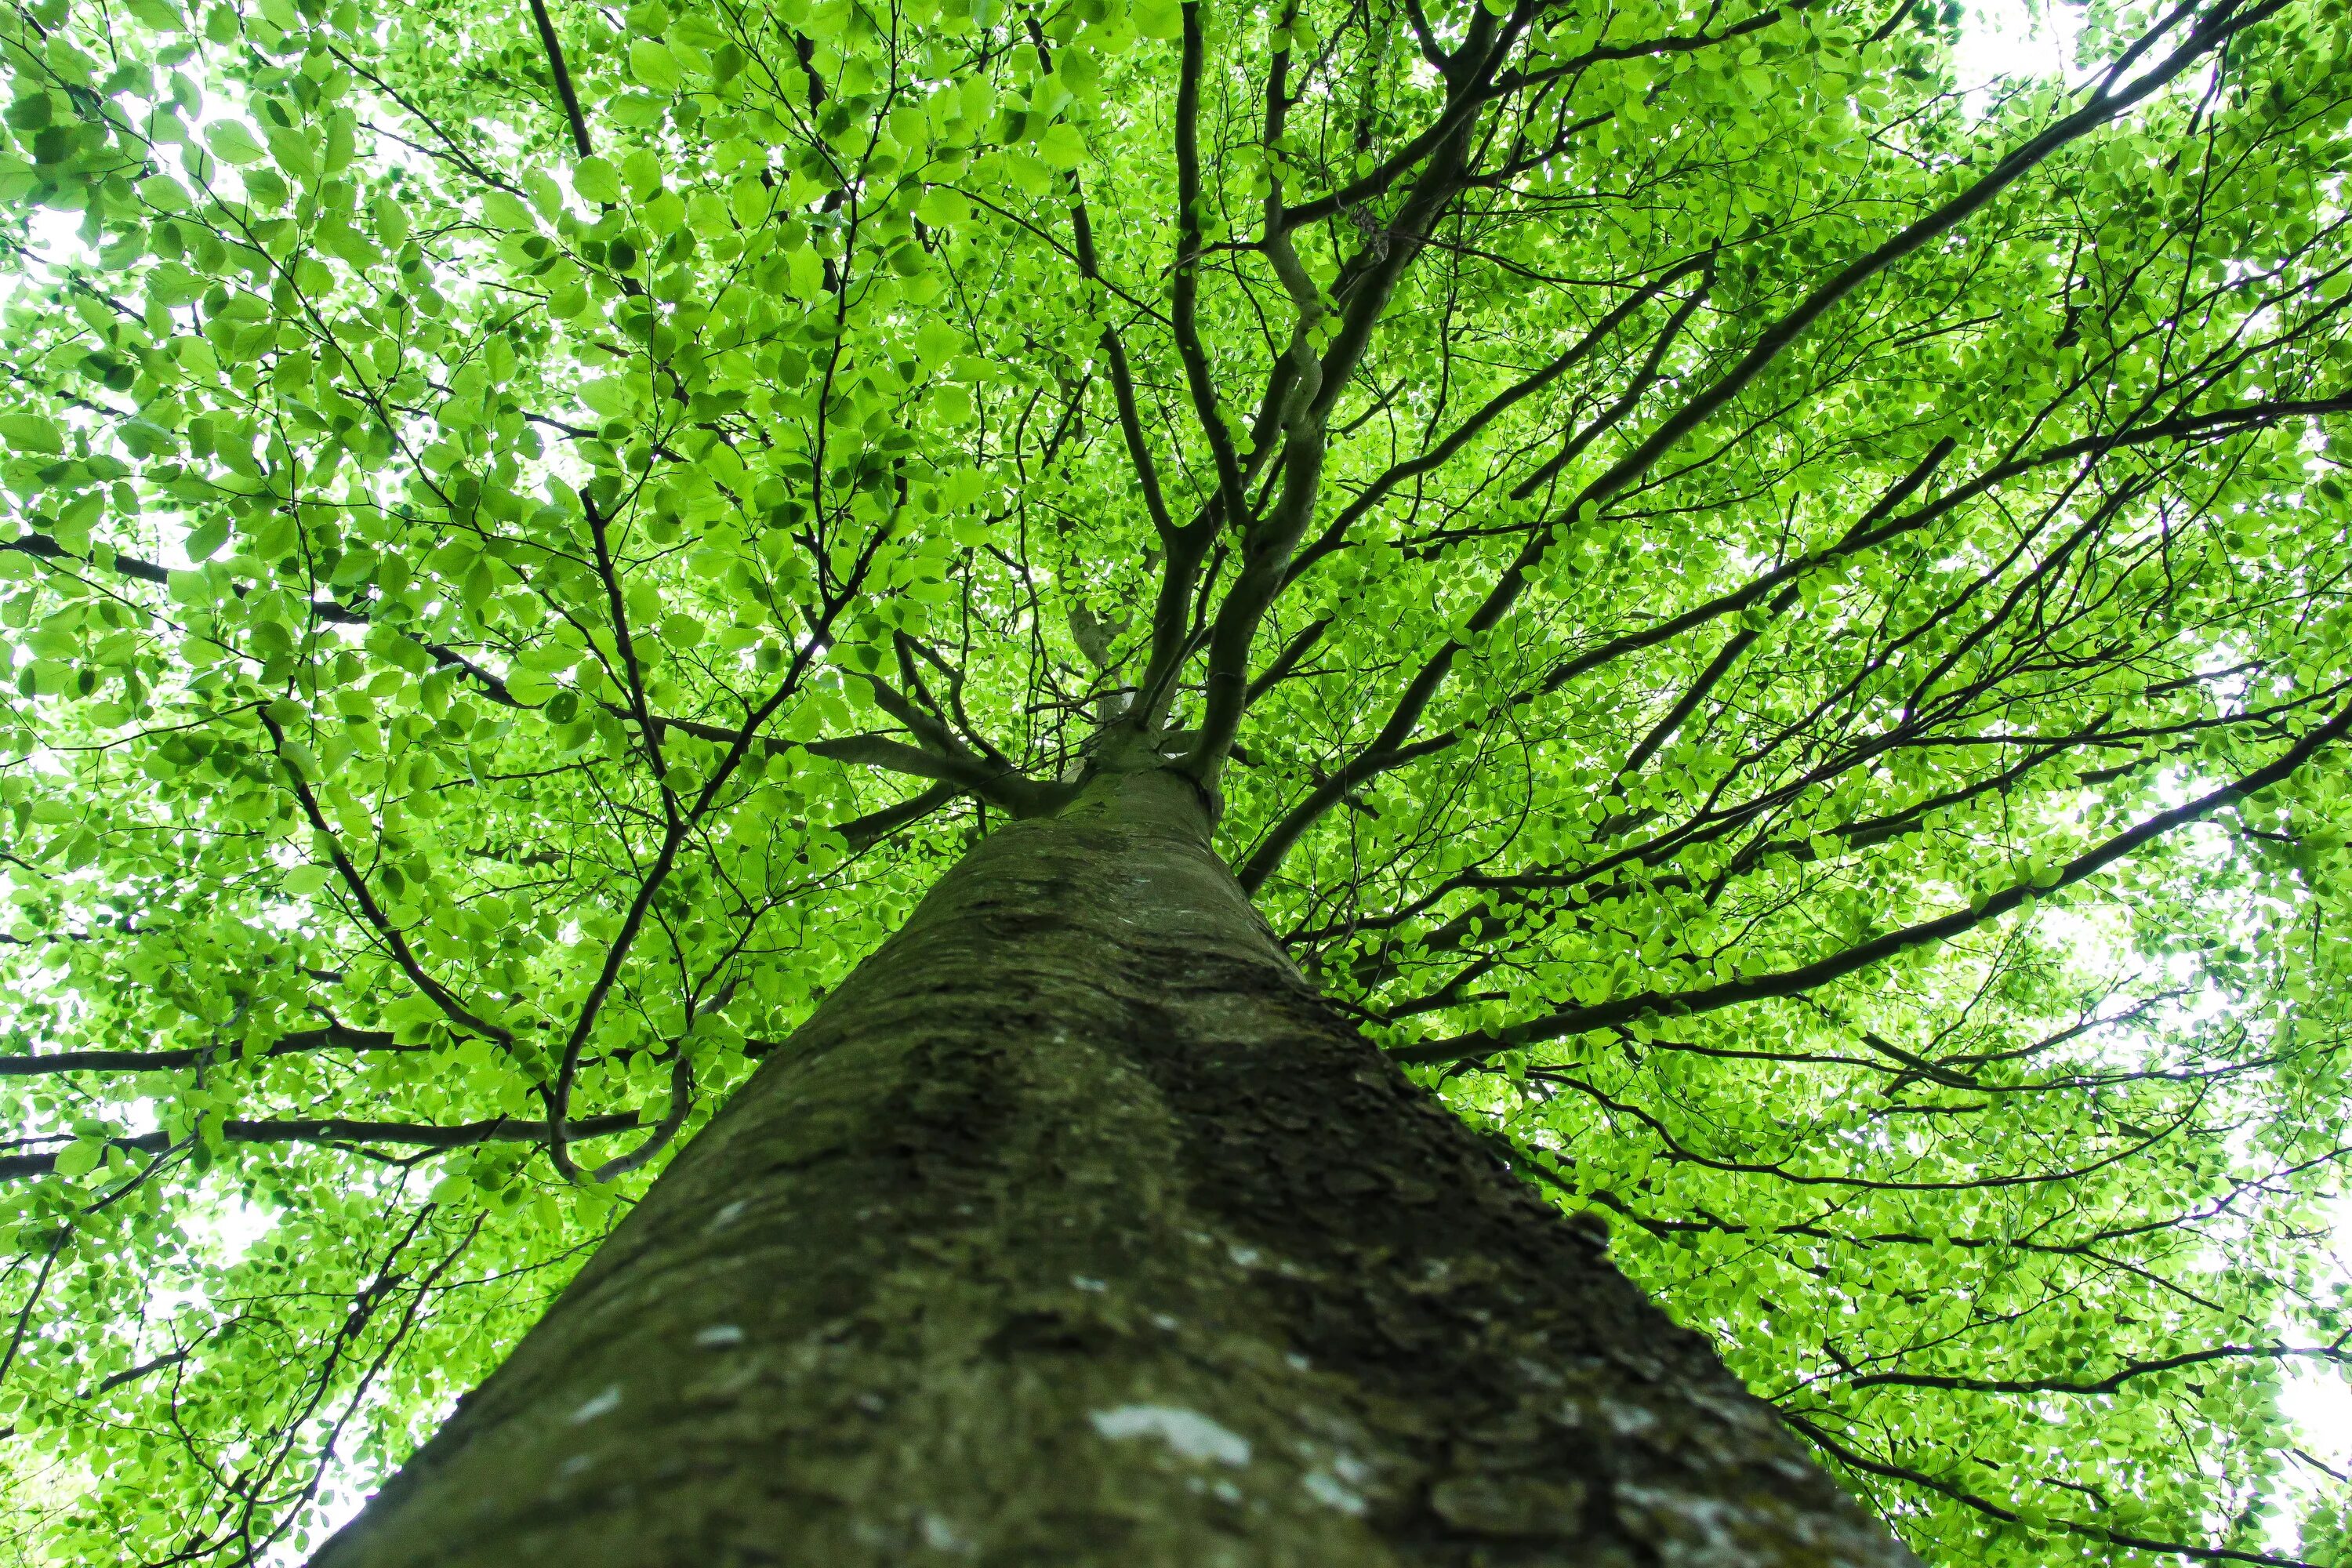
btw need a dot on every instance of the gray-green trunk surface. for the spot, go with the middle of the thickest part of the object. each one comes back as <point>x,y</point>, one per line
<point>1077,1230</point>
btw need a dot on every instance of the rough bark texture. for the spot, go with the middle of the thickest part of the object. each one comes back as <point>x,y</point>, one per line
<point>1075,1229</point>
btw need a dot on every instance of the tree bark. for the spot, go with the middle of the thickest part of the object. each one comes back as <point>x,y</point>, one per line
<point>1077,1230</point>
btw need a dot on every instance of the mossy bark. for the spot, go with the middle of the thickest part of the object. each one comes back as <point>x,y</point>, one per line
<point>1075,1229</point>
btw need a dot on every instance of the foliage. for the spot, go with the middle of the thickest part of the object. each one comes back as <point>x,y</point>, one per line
<point>1774,625</point>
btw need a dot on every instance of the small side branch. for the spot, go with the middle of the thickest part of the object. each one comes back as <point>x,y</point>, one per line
<point>355,883</point>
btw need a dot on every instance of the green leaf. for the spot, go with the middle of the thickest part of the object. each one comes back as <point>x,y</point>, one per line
<point>1061,146</point>
<point>31,433</point>
<point>343,130</point>
<point>506,212</point>
<point>653,65</point>
<point>595,179</point>
<point>205,540</point>
<point>1159,18</point>
<point>935,340</point>
<point>807,275</point>
<point>295,150</point>
<point>234,143</point>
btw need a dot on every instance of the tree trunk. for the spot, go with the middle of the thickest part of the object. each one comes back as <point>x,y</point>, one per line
<point>1075,1229</point>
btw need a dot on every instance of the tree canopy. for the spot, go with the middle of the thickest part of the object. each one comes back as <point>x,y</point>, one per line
<point>1774,621</point>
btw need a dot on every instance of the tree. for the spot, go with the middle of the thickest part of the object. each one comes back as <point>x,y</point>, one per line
<point>1768,622</point>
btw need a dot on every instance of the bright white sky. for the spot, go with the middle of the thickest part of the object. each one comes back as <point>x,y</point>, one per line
<point>2015,39</point>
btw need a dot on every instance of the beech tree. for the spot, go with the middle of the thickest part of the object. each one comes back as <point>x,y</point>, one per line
<point>1085,781</point>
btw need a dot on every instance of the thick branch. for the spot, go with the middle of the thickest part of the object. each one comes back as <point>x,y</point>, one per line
<point>1185,287</point>
<point>1806,977</point>
<point>334,1037</point>
<point>339,1131</point>
<point>2102,106</point>
<point>2107,1384</point>
<point>1494,407</point>
<point>1866,534</point>
<point>562,74</point>
<point>1848,1457</point>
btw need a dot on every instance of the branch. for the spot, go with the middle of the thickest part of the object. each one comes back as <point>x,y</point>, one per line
<point>1493,408</point>
<point>334,1037</point>
<point>1122,378</point>
<point>1275,674</point>
<point>633,671</point>
<point>1866,534</point>
<point>42,547</point>
<point>1303,387</point>
<point>1848,1456</point>
<point>943,756</point>
<point>2104,106</point>
<point>1185,289</point>
<point>1386,173</point>
<point>874,827</point>
<point>1283,834</point>
<point>1745,637</point>
<point>339,1131</point>
<point>967,774</point>
<point>857,751</point>
<point>558,1096</point>
<point>1794,982</point>
<point>681,1105</point>
<point>456,1011</point>
<point>562,76</point>
<point>457,154</point>
<point>2107,1384</point>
